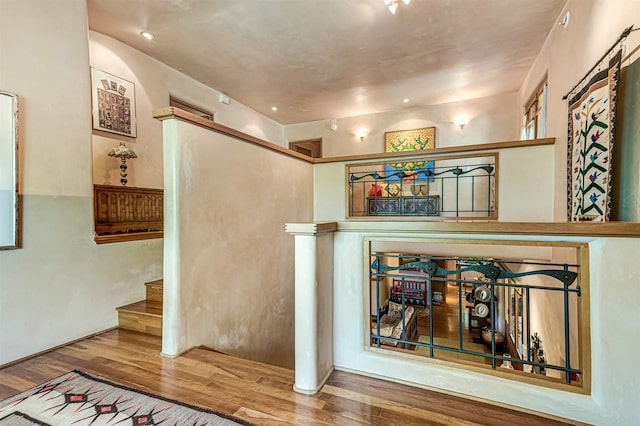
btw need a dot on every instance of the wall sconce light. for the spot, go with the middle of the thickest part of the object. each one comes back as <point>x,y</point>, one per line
<point>333,124</point>
<point>124,154</point>
<point>462,121</point>
<point>361,134</point>
<point>393,5</point>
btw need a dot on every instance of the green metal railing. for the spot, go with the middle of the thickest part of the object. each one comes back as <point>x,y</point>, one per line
<point>462,190</point>
<point>496,273</point>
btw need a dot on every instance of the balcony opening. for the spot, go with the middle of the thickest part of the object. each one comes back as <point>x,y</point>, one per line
<point>432,189</point>
<point>506,308</point>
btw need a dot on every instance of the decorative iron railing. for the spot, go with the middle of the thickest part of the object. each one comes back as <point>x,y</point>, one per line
<point>499,298</point>
<point>449,188</point>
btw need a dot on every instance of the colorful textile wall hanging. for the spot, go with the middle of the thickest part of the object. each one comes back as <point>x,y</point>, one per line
<point>592,113</point>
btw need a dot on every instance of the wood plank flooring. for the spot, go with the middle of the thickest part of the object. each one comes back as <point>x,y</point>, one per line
<point>256,392</point>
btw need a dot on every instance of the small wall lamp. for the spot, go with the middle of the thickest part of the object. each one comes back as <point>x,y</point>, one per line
<point>461,122</point>
<point>361,134</point>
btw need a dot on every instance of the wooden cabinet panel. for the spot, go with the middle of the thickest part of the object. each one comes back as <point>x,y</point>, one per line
<point>120,209</point>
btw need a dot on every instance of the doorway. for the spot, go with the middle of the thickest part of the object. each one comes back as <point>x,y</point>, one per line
<point>309,147</point>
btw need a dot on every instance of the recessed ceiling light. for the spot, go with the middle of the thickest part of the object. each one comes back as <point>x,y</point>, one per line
<point>147,35</point>
<point>274,108</point>
<point>405,100</point>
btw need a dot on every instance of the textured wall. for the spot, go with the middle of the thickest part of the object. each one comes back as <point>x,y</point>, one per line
<point>229,269</point>
<point>493,119</point>
<point>566,56</point>
<point>154,82</point>
<point>525,186</point>
<point>614,320</point>
<point>60,286</point>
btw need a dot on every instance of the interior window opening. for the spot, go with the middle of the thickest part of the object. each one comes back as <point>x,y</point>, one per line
<point>481,307</point>
<point>189,107</point>
<point>535,114</point>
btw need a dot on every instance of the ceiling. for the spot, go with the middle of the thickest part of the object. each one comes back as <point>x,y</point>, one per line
<point>319,59</point>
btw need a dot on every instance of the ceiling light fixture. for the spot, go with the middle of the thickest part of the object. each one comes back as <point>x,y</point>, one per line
<point>273,108</point>
<point>393,5</point>
<point>405,100</point>
<point>147,35</point>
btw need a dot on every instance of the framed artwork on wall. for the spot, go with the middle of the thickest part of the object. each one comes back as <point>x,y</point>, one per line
<point>411,140</point>
<point>113,103</point>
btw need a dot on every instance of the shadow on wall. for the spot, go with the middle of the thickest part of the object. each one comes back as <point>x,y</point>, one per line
<point>627,152</point>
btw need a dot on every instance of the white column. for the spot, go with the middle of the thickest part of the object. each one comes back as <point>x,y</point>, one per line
<point>313,304</point>
<point>171,318</point>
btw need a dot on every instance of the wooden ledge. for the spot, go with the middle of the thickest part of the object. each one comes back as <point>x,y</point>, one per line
<point>176,113</point>
<point>311,228</point>
<point>608,229</point>
<point>172,112</point>
<point>131,236</point>
<point>441,151</point>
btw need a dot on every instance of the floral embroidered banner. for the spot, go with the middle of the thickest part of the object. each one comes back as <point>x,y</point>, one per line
<point>592,113</point>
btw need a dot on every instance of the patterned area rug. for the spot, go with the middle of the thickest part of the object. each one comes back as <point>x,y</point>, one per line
<point>78,398</point>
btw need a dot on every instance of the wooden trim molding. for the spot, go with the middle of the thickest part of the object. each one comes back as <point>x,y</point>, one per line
<point>606,229</point>
<point>311,228</point>
<point>450,245</point>
<point>176,113</point>
<point>131,236</point>
<point>439,151</point>
<point>194,109</point>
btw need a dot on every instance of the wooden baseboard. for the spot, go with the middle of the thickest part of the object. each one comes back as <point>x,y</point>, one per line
<point>9,364</point>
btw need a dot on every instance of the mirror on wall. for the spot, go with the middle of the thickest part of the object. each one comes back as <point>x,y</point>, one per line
<point>9,195</point>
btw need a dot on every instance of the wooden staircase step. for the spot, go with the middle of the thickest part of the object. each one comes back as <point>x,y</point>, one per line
<point>154,290</point>
<point>144,316</point>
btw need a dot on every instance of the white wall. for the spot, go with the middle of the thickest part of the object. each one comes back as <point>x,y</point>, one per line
<point>493,119</point>
<point>566,56</point>
<point>229,265</point>
<point>154,82</point>
<point>614,318</point>
<point>61,285</point>
<point>525,186</point>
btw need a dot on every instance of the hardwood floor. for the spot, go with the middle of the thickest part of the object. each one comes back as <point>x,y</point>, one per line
<point>256,392</point>
<point>445,319</point>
